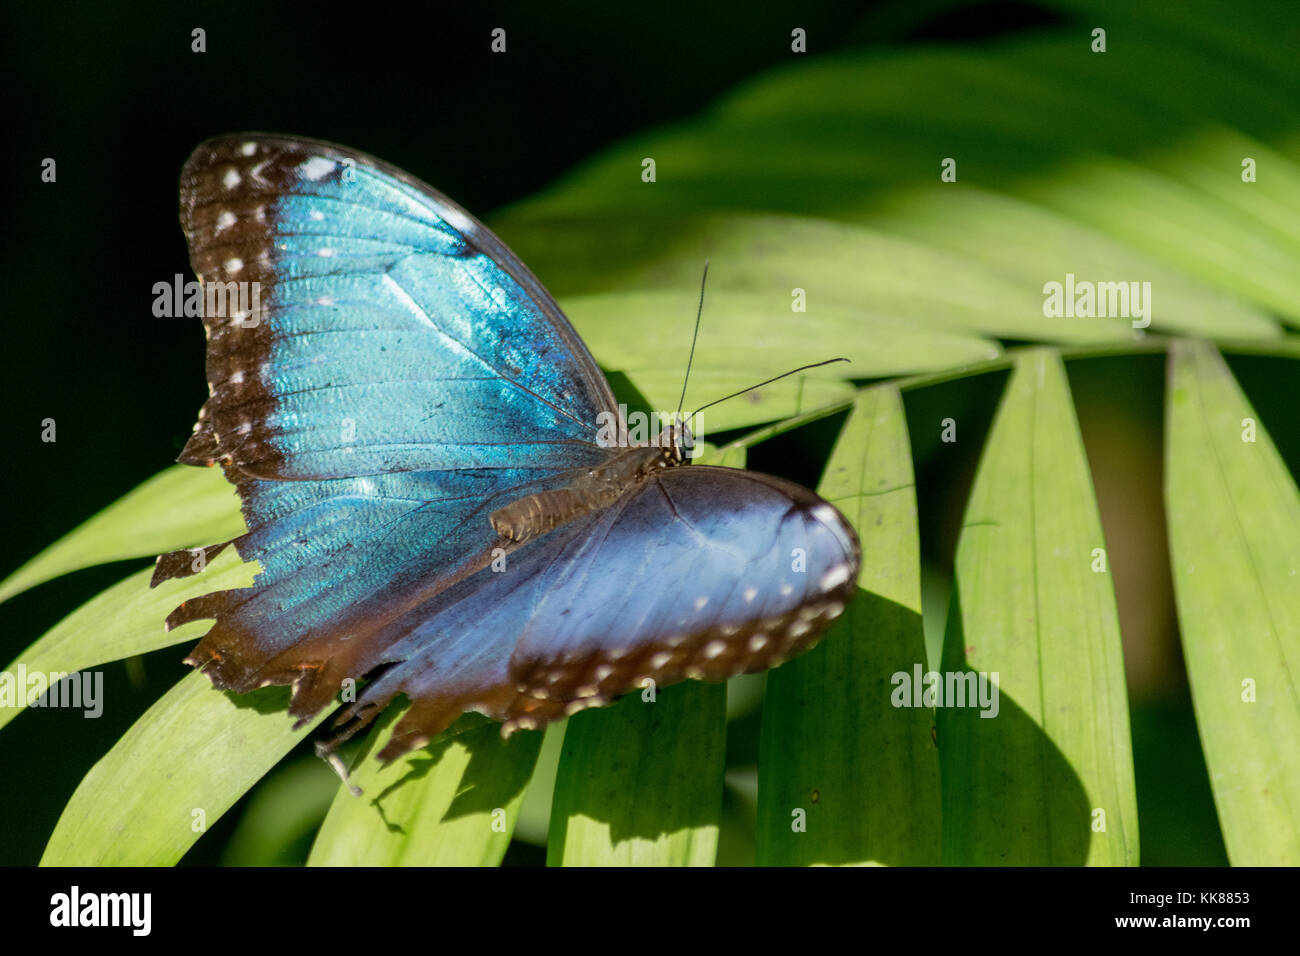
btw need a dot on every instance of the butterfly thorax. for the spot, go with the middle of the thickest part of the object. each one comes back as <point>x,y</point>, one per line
<point>590,490</point>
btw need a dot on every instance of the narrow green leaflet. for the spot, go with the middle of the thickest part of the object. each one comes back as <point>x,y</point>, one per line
<point>172,775</point>
<point>751,334</point>
<point>1034,246</point>
<point>125,620</point>
<point>1180,224</point>
<point>1234,541</point>
<point>1151,169</point>
<point>180,507</point>
<point>746,337</point>
<point>452,803</point>
<point>845,775</point>
<point>1041,772</point>
<point>535,808</point>
<point>892,282</point>
<point>662,388</point>
<point>282,814</point>
<point>640,783</point>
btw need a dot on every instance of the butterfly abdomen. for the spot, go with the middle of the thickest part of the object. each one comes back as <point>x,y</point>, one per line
<point>538,513</point>
<point>590,490</point>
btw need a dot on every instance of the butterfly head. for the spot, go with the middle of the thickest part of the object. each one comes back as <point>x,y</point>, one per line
<point>677,442</point>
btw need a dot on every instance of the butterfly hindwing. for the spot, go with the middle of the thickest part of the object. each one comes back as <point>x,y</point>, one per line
<point>701,572</point>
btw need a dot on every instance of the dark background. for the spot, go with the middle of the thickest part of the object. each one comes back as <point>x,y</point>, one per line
<point>116,96</point>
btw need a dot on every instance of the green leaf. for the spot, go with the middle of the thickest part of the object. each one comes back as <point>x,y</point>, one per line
<point>180,507</point>
<point>662,387</point>
<point>900,288</point>
<point>1031,245</point>
<point>452,803</point>
<point>861,774</point>
<point>1183,226</point>
<point>750,335</point>
<point>126,620</point>
<point>535,809</point>
<point>1033,608</point>
<point>172,775</point>
<point>1234,540</point>
<point>640,783</point>
<point>283,813</point>
<point>1143,180</point>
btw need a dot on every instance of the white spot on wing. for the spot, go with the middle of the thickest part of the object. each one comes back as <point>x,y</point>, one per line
<point>225,220</point>
<point>826,514</point>
<point>231,179</point>
<point>834,577</point>
<point>317,168</point>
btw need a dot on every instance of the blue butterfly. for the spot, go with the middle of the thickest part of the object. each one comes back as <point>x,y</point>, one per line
<point>413,428</point>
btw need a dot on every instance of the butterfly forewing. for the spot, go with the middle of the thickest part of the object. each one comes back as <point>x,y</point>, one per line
<point>401,372</point>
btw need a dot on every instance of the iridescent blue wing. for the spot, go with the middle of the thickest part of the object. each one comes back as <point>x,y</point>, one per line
<point>390,375</point>
<point>699,572</point>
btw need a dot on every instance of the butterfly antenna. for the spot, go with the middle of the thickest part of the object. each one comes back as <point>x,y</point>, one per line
<point>694,337</point>
<point>801,368</point>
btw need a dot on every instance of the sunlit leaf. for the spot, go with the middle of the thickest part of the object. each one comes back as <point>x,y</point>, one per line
<point>845,776</point>
<point>1234,537</point>
<point>1041,773</point>
<point>454,802</point>
<point>172,775</point>
<point>903,290</point>
<point>284,811</point>
<point>126,620</point>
